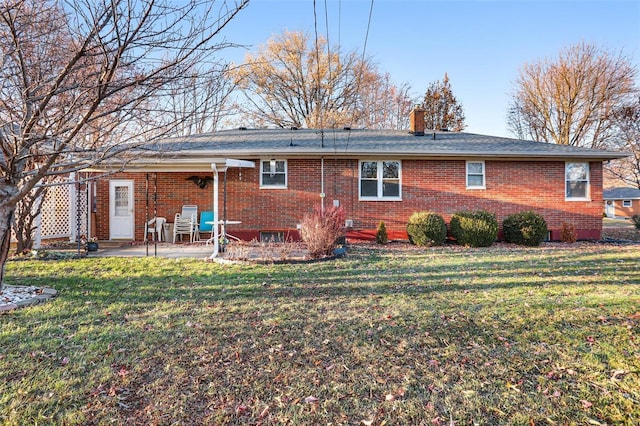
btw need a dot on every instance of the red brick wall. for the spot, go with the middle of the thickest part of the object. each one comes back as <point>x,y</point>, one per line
<point>436,185</point>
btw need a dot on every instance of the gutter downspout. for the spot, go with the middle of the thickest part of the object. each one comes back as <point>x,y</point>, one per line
<point>322,194</point>
<point>216,215</point>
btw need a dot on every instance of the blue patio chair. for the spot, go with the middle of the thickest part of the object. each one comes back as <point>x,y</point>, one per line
<point>204,218</point>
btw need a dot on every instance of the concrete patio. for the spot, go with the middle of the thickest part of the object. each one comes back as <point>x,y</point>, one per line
<point>167,250</point>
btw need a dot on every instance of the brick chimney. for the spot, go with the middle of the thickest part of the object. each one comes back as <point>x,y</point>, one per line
<point>416,120</point>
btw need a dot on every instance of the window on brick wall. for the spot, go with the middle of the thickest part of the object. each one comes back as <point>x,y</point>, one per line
<point>627,203</point>
<point>273,173</point>
<point>475,175</point>
<point>380,180</point>
<point>577,181</point>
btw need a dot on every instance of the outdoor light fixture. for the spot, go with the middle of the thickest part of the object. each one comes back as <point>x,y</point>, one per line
<point>272,166</point>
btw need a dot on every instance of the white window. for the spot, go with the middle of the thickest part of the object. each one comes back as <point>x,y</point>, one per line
<point>380,180</point>
<point>577,181</point>
<point>627,203</point>
<point>273,173</point>
<point>475,175</point>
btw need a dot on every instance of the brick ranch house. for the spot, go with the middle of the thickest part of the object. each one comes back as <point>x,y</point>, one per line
<point>375,175</point>
<point>621,202</point>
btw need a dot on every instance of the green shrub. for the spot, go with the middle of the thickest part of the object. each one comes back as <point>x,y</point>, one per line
<point>636,220</point>
<point>426,229</point>
<point>525,228</point>
<point>477,228</point>
<point>381,234</point>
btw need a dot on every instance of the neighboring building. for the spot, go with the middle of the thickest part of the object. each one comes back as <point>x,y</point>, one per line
<point>621,202</point>
<point>375,175</point>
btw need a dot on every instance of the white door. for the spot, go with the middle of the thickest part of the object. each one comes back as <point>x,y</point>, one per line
<point>121,209</point>
<point>609,208</point>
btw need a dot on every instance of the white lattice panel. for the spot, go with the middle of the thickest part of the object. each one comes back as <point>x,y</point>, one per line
<point>62,210</point>
<point>55,221</point>
<point>79,201</point>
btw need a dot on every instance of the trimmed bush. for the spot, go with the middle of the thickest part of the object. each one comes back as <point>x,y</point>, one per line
<point>477,228</point>
<point>636,220</point>
<point>525,228</point>
<point>381,234</point>
<point>426,229</point>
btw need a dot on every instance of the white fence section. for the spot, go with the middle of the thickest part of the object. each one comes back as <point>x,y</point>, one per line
<point>64,212</point>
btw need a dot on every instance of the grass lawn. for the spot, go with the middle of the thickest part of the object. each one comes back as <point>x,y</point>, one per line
<point>608,222</point>
<point>620,229</point>
<point>388,335</point>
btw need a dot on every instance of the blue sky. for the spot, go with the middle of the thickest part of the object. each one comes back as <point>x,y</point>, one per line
<point>480,44</point>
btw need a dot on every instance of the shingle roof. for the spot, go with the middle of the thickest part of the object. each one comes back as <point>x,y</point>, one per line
<point>621,193</point>
<point>341,143</point>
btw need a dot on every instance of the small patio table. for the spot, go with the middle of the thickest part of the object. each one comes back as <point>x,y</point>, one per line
<point>223,232</point>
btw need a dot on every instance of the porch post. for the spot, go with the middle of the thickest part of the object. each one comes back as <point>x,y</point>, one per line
<point>218,167</point>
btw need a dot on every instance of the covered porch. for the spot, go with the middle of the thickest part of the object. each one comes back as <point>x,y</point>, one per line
<point>160,189</point>
<point>207,223</point>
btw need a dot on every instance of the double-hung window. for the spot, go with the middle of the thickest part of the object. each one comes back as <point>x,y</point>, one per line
<point>475,175</point>
<point>273,173</point>
<point>577,181</point>
<point>627,203</point>
<point>380,180</point>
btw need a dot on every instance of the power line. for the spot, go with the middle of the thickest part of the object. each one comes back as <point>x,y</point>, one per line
<point>366,37</point>
<point>326,24</point>
<point>319,115</point>
<point>364,49</point>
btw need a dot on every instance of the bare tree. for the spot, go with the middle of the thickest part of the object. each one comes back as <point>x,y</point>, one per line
<point>292,81</point>
<point>84,81</point>
<point>442,109</point>
<point>26,213</point>
<point>384,105</point>
<point>201,102</point>
<point>627,120</point>
<point>571,100</point>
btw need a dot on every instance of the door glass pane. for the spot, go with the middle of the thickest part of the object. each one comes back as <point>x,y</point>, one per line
<point>121,201</point>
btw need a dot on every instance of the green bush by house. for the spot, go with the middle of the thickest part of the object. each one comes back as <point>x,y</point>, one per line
<point>381,234</point>
<point>525,228</point>
<point>477,228</point>
<point>426,229</point>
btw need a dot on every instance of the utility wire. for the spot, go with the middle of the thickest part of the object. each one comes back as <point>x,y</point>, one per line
<point>364,50</point>
<point>330,85</point>
<point>366,37</point>
<point>319,115</point>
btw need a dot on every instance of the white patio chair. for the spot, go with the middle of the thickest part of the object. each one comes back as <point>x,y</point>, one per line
<point>185,226</point>
<point>191,211</point>
<point>188,210</point>
<point>154,226</point>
